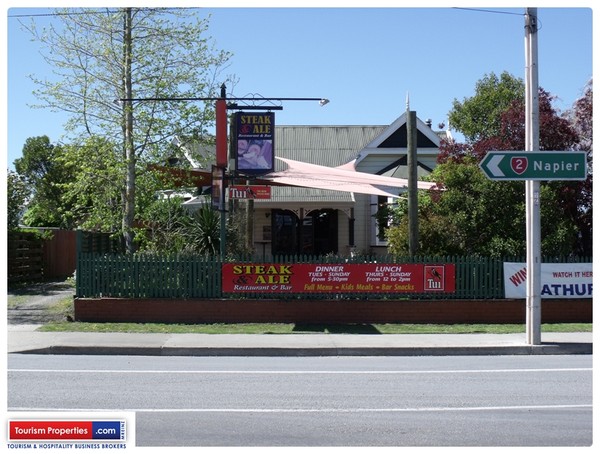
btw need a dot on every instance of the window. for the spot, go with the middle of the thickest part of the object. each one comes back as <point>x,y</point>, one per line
<point>284,232</point>
<point>380,218</point>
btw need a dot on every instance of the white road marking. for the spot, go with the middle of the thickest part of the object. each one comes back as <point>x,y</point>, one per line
<point>309,410</point>
<point>298,372</point>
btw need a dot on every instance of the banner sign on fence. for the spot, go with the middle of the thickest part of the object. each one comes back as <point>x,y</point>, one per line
<point>338,278</point>
<point>559,280</point>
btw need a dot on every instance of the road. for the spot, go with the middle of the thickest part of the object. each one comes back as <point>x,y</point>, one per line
<point>322,401</point>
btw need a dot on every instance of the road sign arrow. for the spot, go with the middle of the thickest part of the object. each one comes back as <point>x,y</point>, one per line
<point>493,165</point>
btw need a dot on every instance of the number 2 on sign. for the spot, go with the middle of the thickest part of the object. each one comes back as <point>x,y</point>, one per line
<point>518,164</point>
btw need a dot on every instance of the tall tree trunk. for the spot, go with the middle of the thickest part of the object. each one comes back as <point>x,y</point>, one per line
<point>130,159</point>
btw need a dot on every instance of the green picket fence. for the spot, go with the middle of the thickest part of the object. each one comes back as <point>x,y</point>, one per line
<point>147,276</point>
<point>186,276</point>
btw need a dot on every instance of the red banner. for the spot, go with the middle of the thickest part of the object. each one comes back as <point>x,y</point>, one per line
<point>338,278</point>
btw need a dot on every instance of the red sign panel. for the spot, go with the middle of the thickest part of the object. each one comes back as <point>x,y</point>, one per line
<point>250,192</point>
<point>519,164</point>
<point>338,278</point>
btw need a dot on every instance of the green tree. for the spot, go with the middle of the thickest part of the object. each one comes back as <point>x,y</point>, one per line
<point>475,215</point>
<point>164,227</point>
<point>41,167</point>
<point>16,197</point>
<point>93,193</point>
<point>576,197</point>
<point>478,117</point>
<point>102,55</point>
<point>471,216</point>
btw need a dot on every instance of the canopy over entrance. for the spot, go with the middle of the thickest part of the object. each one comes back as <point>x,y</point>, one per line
<point>342,178</point>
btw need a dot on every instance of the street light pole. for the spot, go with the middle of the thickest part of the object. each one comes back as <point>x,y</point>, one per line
<point>221,106</point>
<point>221,158</point>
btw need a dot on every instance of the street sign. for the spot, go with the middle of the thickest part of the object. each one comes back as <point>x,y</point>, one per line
<point>535,165</point>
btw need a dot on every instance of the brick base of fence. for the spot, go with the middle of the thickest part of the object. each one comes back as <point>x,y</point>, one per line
<point>197,311</point>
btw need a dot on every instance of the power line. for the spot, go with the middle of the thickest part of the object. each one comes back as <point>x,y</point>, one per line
<point>166,9</point>
<point>59,14</point>
<point>73,13</point>
<point>490,11</point>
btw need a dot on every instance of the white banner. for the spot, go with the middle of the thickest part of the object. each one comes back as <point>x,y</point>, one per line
<point>559,280</point>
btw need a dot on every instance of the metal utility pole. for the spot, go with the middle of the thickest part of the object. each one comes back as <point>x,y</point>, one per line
<point>532,187</point>
<point>411,162</point>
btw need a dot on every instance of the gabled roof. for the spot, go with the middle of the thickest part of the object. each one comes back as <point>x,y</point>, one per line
<point>395,135</point>
<point>394,139</point>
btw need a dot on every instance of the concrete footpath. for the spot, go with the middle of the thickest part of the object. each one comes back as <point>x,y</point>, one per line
<point>25,339</point>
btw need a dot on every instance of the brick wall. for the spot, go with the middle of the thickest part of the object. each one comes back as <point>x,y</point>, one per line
<point>354,311</point>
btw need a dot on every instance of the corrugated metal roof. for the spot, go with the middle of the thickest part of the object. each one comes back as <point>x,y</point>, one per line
<point>329,146</point>
<point>324,145</point>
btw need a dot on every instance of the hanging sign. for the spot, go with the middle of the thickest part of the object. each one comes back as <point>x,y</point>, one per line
<point>254,142</point>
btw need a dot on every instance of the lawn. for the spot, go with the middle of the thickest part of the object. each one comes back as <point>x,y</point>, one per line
<point>291,328</point>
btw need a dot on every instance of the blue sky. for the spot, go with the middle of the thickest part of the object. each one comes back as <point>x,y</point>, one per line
<point>365,60</point>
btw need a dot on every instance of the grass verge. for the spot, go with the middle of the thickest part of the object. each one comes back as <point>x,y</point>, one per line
<point>291,328</point>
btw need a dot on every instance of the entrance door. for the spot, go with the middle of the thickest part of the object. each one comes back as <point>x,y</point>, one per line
<point>324,231</point>
<point>316,234</point>
<point>284,232</point>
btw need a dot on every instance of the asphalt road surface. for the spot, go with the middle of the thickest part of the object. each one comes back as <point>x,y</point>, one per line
<point>323,401</point>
